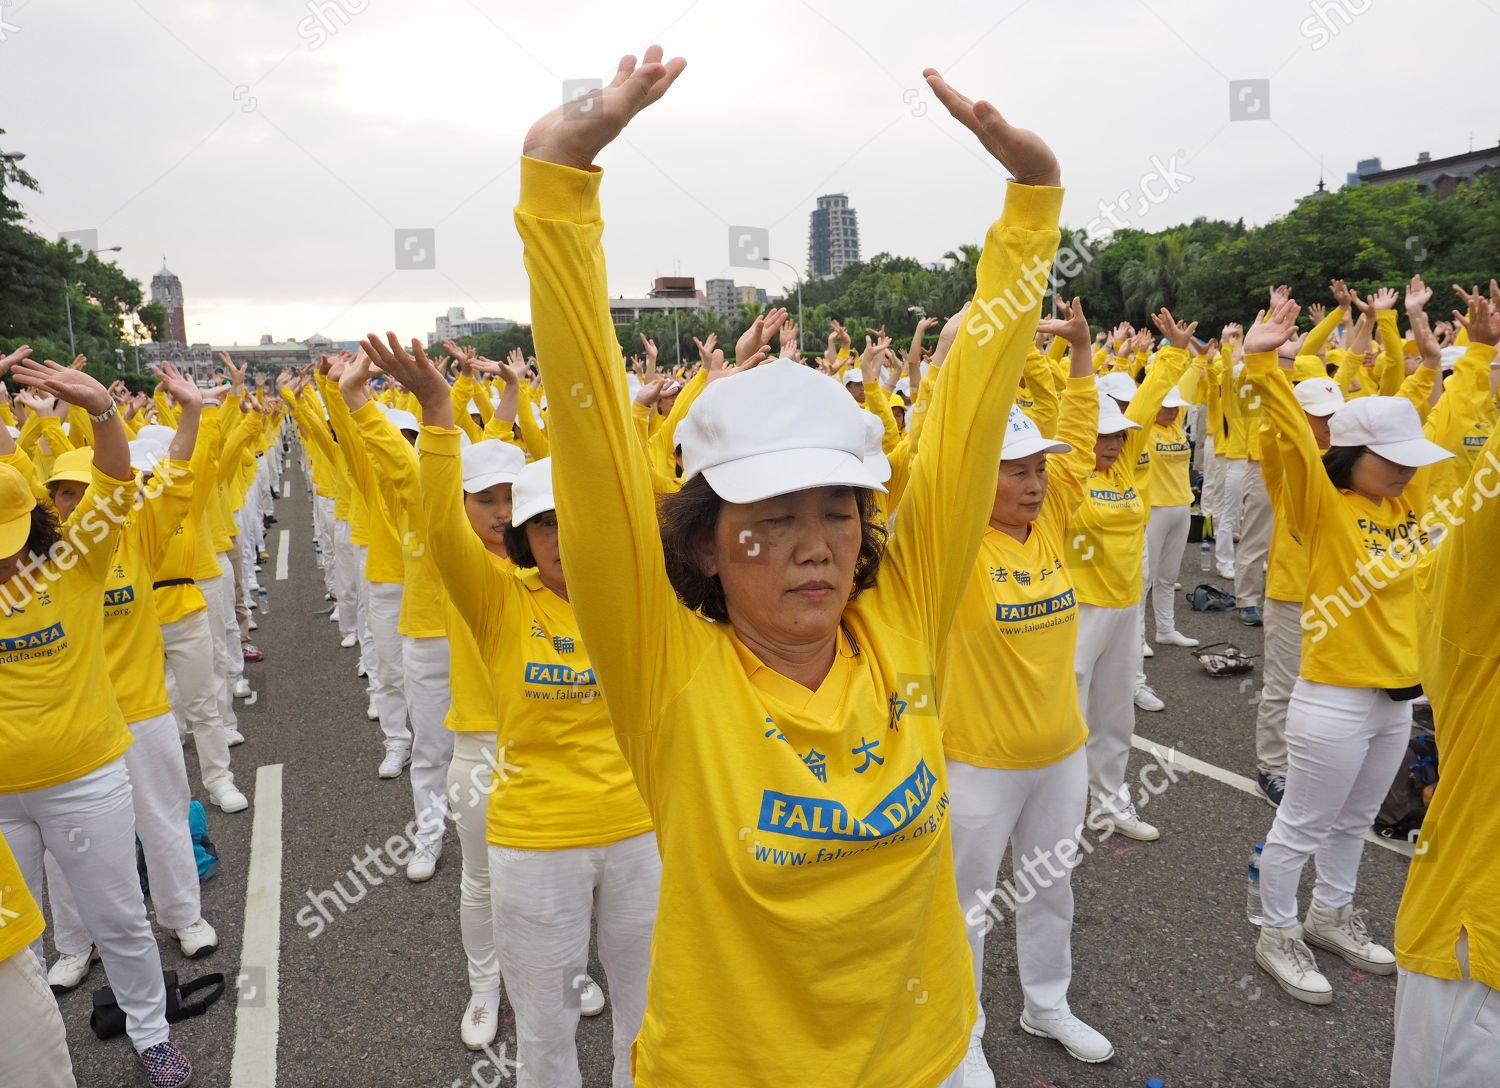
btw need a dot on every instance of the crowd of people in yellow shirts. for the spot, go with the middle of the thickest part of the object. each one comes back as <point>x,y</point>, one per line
<point>773,649</point>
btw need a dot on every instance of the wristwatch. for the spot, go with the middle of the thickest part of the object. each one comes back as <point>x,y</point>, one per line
<point>104,415</point>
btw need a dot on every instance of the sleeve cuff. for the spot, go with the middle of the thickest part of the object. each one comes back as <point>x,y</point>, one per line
<point>552,191</point>
<point>1031,207</point>
<point>443,441</point>
<point>1086,384</point>
<point>1261,362</point>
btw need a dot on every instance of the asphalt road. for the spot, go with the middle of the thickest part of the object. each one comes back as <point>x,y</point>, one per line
<point>1162,952</point>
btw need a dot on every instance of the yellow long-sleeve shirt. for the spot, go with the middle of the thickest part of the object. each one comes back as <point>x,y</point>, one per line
<point>24,922</point>
<point>788,819</point>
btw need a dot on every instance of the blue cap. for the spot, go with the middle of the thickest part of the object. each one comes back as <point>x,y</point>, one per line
<point>1154,1083</point>
<point>1259,847</point>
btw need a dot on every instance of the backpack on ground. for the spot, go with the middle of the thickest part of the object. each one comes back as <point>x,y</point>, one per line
<point>1207,598</point>
<point>1405,806</point>
<point>204,851</point>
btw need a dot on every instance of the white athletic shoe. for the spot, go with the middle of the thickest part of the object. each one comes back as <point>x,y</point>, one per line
<point>252,625</point>
<point>333,616</point>
<point>242,688</point>
<point>234,738</point>
<point>371,712</point>
<point>349,640</point>
<point>70,969</point>
<point>1343,933</point>
<point>1147,699</point>
<point>590,999</point>
<point>198,939</point>
<point>1123,821</point>
<point>1077,1038</point>
<point>1226,572</point>
<point>423,863</point>
<point>1146,650</point>
<point>977,1071</point>
<point>481,1020</point>
<point>1175,638</point>
<point>229,799</point>
<point>360,670</point>
<point>1284,956</point>
<point>394,762</point>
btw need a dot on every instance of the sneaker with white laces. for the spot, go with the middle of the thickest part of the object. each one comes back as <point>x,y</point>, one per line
<point>1077,1038</point>
<point>229,799</point>
<point>481,1020</point>
<point>394,762</point>
<point>233,737</point>
<point>1284,956</point>
<point>1175,638</point>
<point>1146,650</point>
<point>198,939</point>
<point>1342,931</point>
<point>1272,787</point>
<point>424,861</point>
<point>1226,572</point>
<point>1123,820</point>
<point>977,1071</point>
<point>590,998</point>
<point>242,688</point>
<point>360,670</point>
<point>70,969</point>
<point>348,641</point>
<point>1147,699</point>
<point>371,712</point>
<point>166,1066</point>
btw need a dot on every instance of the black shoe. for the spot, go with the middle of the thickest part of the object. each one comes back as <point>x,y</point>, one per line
<point>1250,617</point>
<point>1272,786</point>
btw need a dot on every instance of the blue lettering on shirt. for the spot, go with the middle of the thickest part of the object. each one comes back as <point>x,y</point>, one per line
<point>44,637</point>
<point>539,672</point>
<point>1050,606</point>
<point>113,598</point>
<point>824,818</point>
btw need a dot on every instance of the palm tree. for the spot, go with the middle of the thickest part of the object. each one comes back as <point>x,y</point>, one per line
<point>1154,281</point>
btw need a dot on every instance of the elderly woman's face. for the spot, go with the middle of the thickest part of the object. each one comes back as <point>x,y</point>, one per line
<point>787,564</point>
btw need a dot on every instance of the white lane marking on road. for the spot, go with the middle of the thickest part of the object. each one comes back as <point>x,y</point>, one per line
<point>1241,783</point>
<point>282,555</point>
<point>257,1022</point>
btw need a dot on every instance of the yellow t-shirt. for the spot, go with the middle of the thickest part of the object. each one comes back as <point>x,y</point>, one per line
<point>1453,885</point>
<point>20,918</point>
<point>808,913</point>
<point>1015,632</point>
<point>472,707</point>
<point>574,788</point>
<point>1171,459</point>
<point>59,719</point>
<point>1106,536</point>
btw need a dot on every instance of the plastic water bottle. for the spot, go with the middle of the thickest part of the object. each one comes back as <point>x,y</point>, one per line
<point>1205,557</point>
<point>263,600</point>
<point>1154,1083</point>
<point>1252,894</point>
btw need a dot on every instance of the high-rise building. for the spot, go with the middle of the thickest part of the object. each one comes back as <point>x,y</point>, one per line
<point>832,236</point>
<point>725,297</point>
<point>166,288</point>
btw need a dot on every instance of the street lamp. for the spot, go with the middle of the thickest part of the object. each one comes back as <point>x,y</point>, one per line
<point>68,301</point>
<point>773,260</point>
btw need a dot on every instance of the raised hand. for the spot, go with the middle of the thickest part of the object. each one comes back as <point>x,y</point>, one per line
<point>789,334</point>
<point>413,370</point>
<point>1278,296</point>
<point>1071,325</point>
<point>1271,331</point>
<point>1025,154</point>
<point>1384,299</point>
<point>63,382</point>
<point>1482,322</point>
<point>1231,333</point>
<point>178,386</point>
<point>1179,334</point>
<point>650,392</point>
<point>1341,294</point>
<point>759,334</point>
<point>1317,312</point>
<point>574,133</point>
<point>14,357</point>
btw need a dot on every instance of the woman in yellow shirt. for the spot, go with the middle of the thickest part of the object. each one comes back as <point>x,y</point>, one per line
<point>1013,735</point>
<point>63,783</point>
<point>770,671</point>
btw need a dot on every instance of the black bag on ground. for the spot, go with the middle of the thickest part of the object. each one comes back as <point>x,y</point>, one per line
<point>1405,806</point>
<point>108,1019</point>
<point>1207,598</point>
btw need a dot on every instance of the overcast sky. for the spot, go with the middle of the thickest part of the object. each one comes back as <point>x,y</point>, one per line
<point>272,149</point>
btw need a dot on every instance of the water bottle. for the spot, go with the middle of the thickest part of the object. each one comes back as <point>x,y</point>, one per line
<point>1154,1083</point>
<point>1205,557</point>
<point>263,600</point>
<point>1252,893</point>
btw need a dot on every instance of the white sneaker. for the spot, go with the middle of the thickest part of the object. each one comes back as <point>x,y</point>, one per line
<point>423,863</point>
<point>977,1071</point>
<point>1284,956</point>
<point>252,625</point>
<point>1226,572</point>
<point>242,688</point>
<point>333,616</point>
<point>349,640</point>
<point>371,712</point>
<point>1147,699</point>
<point>481,1020</point>
<point>1146,650</point>
<point>229,799</point>
<point>590,999</point>
<point>70,969</point>
<point>1343,933</point>
<point>360,670</point>
<point>1175,638</point>
<point>234,738</point>
<point>394,762</point>
<point>198,939</point>
<point>1077,1038</point>
<point>1123,820</point>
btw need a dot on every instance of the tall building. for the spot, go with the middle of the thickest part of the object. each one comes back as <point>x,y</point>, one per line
<point>166,288</point>
<point>725,297</point>
<point>832,236</point>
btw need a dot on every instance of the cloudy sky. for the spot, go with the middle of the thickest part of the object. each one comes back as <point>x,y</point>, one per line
<point>272,150</point>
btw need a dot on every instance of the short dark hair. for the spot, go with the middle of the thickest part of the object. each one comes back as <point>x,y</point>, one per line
<point>45,530</point>
<point>688,519</point>
<point>517,546</point>
<point>1339,461</point>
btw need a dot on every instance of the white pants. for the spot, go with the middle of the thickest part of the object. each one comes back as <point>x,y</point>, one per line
<point>1280,663</point>
<point>159,800</point>
<point>1104,667</point>
<point>325,526</point>
<point>424,666</point>
<point>1447,1030</point>
<point>1166,540</point>
<point>547,898</point>
<point>1255,540</point>
<point>390,701</point>
<point>470,780</point>
<point>1343,748</point>
<point>191,687</point>
<point>1032,810</point>
<point>346,579</point>
<point>35,1053</point>
<point>89,827</point>
<point>367,656</point>
<point>218,620</point>
<point>234,657</point>
<point>1231,509</point>
<point>1213,479</point>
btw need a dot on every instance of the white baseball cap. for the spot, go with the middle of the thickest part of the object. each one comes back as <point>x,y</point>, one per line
<point>402,420</point>
<point>532,493</point>
<point>144,453</point>
<point>1174,399</point>
<point>903,386</point>
<point>155,432</point>
<point>779,428</point>
<point>1117,384</point>
<point>1319,396</point>
<point>1022,438</point>
<point>491,462</point>
<point>1387,426</point>
<point>852,375</point>
<point>1111,419</point>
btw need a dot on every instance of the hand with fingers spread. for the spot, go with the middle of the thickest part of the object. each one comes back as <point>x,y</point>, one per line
<point>648,374</point>
<point>415,371</point>
<point>1073,327</point>
<point>574,133</point>
<point>1482,321</point>
<point>1178,333</point>
<point>1418,295</point>
<point>178,386</point>
<point>1341,295</point>
<point>1317,312</point>
<point>1025,154</point>
<point>66,383</point>
<point>789,336</point>
<point>759,334</point>
<point>1272,329</point>
<point>650,392</point>
<point>6,362</point>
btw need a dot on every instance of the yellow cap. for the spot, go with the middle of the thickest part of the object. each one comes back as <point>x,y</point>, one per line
<point>75,465</point>
<point>1308,366</point>
<point>16,504</point>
